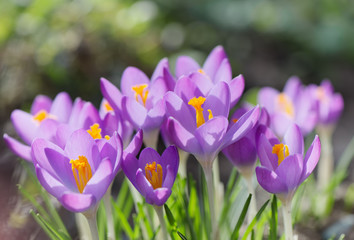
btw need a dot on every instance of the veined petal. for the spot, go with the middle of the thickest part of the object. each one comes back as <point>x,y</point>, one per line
<point>294,140</point>
<point>185,65</point>
<point>21,150</point>
<point>77,202</point>
<point>311,158</point>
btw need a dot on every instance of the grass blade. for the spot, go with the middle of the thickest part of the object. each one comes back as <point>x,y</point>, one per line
<point>242,217</point>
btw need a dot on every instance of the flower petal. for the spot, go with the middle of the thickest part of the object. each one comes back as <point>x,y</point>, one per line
<point>155,116</point>
<point>266,98</point>
<point>77,202</point>
<point>171,157</point>
<point>143,185</point>
<point>237,85</point>
<point>218,100</point>
<point>292,87</point>
<point>264,150</point>
<point>294,140</point>
<point>61,107</point>
<point>159,196</point>
<point>159,70</point>
<point>134,111</point>
<point>185,65</point>
<point>135,144</point>
<point>50,183</point>
<point>112,149</point>
<point>111,93</point>
<point>132,76</point>
<point>270,181</point>
<point>130,167</point>
<point>21,150</point>
<point>213,61</point>
<point>24,125</point>
<point>41,102</point>
<point>224,72</point>
<point>311,158</point>
<point>290,171</point>
<point>147,156</point>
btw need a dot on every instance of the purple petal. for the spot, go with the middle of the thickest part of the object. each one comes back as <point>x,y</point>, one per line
<point>237,85</point>
<point>169,177</point>
<point>311,158</point>
<point>76,110</point>
<point>224,72</point>
<point>292,87</point>
<point>50,183</point>
<point>266,98</point>
<point>100,181</point>
<point>39,156</point>
<point>89,115</point>
<point>336,108</point>
<point>77,202</point>
<point>21,150</point>
<point>61,107</point>
<point>241,153</point>
<point>218,100</point>
<point>134,111</point>
<point>270,181</point>
<point>112,149</point>
<point>48,129</point>
<point>186,65</point>
<point>149,155</point>
<point>132,76</point>
<point>135,144</point>
<point>155,116</point>
<point>41,102</point>
<point>177,109</point>
<point>294,139</point>
<point>81,143</point>
<point>130,167</point>
<point>62,134</point>
<point>280,122</point>
<point>169,79</point>
<point>157,90</point>
<point>211,134</point>
<point>242,126</point>
<point>143,185</point>
<point>213,61</point>
<point>327,85</point>
<point>111,93</point>
<point>171,157</point>
<point>182,137</point>
<point>194,85</point>
<point>290,171</point>
<point>159,70</point>
<point>24,125</point>
<point>264,150</point>
<point>159,196</point>
<point>109,124</point>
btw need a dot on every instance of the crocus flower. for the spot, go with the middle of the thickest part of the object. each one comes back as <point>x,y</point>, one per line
<point>152,175</point>
<point>293,105</point>
<point>78,175</point>
<point>216,68</point>
<point>329,104</point>
<point>283,165</point>
<point>199,125</point>
<point>42,122</point>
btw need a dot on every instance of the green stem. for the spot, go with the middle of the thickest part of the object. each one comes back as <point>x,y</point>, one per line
<point>288,227</point>
<point>159,212</point>
<point>253,206</point>
<point>91,216</point>
<point>82,226</point>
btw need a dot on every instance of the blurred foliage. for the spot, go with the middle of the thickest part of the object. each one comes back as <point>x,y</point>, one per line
<point>51,46</point>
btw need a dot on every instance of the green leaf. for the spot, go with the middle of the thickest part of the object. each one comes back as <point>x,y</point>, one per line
<point>181,236</point>
<point>255,219</point>
<point>235,233</point>
<point>273,223</point>
<point>124,222</point>
<point>169,215</point>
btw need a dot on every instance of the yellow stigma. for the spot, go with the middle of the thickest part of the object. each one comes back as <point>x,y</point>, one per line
<point>107,106</point>
<point>95,131</point>
<point>197,104</point>
<point>235,120</point>
<point>81,171</point>
<point>281,150</point>
<point>201,71</point>
<point>285,105</point>
<point>41,115</point>
<point>153,173</point>
<point>140,91</point>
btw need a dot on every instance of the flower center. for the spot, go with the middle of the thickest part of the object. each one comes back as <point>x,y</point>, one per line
<point>81,171</point>
<point>153,173</point>
<point>282,151</point>
<point>141,91</point>
<point>285,105</point>
<point>235,120</point>
<point>107,106</point>
<point>41,115</point>
<point>201,71</point>
<point>95,132</point>
<point>197,104</point>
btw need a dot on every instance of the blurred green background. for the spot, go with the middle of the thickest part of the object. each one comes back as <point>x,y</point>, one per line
<point>48,46</point>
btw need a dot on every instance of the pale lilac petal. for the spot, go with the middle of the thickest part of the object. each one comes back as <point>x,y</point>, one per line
<point>21,150</point>
<point>311,158</point>
<point>89,115</point>
<point>224,72</point>
<point>132,76</point>
<point>135,112</point>
<point>77,202</point>
<point>135,144</point>
<point>176,108</point>
<point>218,100</point>
<point>336,108</point>
<point>182,137</point>
<point>213,61</point>
<point>290,171</point>
<point>266,98</point>
<point>109,124</point>
<point>264,150</point>
<point>76,110</point>
<point>159,196</point>
<point>294,140</point>
<point>242,126</point>
<point>147,156</point>
<point>241,153</point>
<point>50,183</point>
<point>157,90</point>
<point>130,167</point>
<point>280,122</point>
<point>24,124</point>
<point>186,65</point>
<point>39,156</point>
<point>62,134</point>
<point>194,85</point>
<point>169,79</point>
<point>41,102</point>
<point>143,185</point>
<point>210,135</point>
<point>169,177</point>
<point>170,157</point>
<point>111,93</point>
<point>327,85</point>
<point>292,87</point>
<point>155,116</point>
<point>81,143</point>
<point>47,129</point>
<point>159,70</point>
<point>237,85</point>
<point>112,149</point>
<point>270,181</point>
<point>101,179</point>
<point>61,107</point>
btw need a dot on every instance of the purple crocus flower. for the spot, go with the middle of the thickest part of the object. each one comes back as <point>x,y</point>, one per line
<point>153,175</point>
<point>243,153</point>
<point>200,132</point>
<point>329,104</point>
<point>293,105</point>
<point>216,68</point>
<point>283,165</point>
<point>42,122</point>
<point>78,175</point>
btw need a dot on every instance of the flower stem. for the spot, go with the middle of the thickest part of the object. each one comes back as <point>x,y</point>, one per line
<point>82,225</point>
<point>91,216</point>
<point>108,209</point>
<point>288,227</point>
<point>159,212</point>
<point>325,165</point>
<point>183,157</point>
<point>253,206</point>
<point>210,185</point>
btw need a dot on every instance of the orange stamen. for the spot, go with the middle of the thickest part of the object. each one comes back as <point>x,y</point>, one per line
<point>81,171</point>
<point>153,173</point>
<point>282,151</point>
<point>95,131</point>
<point>141,91</point>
